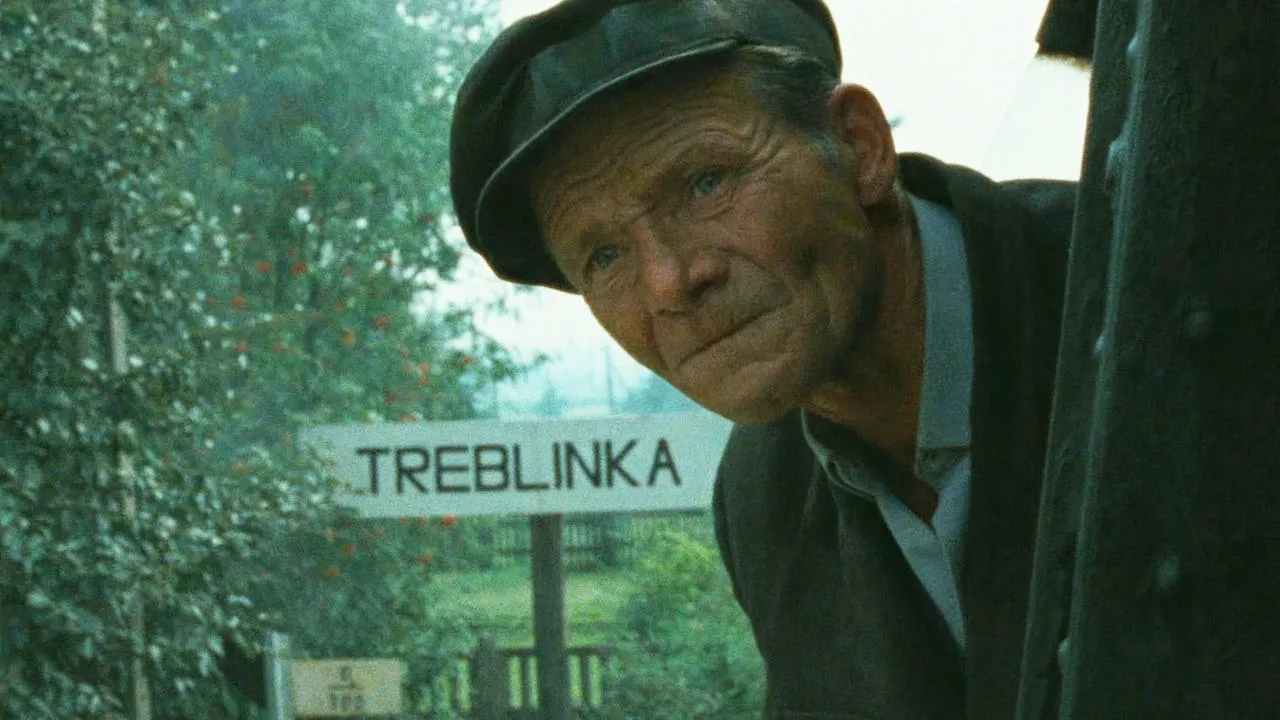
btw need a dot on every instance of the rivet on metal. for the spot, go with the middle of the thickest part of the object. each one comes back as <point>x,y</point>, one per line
<point>1133,51</point>
<point>1117,158</point>
<point>1168,571</point>
<point>1198,322</point>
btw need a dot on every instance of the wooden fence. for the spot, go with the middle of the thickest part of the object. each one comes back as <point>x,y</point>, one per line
<point>592,542</point>
<point>494,683</point>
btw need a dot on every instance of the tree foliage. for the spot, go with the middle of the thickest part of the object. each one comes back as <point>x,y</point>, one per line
<point>687,650</point>
<point>326,147</point>
<point>257,188</point>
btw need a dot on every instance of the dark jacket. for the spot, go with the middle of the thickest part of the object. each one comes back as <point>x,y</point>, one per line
<point>845,628</point>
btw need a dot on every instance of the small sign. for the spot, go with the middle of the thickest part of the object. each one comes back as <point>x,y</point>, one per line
<point>346,688</point>
<point>493,467</point>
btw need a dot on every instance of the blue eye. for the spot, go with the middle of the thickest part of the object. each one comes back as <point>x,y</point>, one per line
<point>706,183</point>
<point>602,257</point>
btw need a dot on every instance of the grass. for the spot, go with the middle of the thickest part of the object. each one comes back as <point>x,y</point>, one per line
<point>501,602</point>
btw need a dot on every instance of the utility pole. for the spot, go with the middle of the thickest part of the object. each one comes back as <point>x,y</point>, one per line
<point>1156,584</point>
<point>610,394</point>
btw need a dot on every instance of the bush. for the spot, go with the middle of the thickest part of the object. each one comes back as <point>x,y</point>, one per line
<point>687,651</point>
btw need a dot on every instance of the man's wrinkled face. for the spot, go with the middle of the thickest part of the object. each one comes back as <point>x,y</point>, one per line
<point>713,242</point>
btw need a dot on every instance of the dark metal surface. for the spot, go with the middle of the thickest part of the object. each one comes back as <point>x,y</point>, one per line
<point>1067,29</point>
<point>1066,458</point>
<point>1172,432</point>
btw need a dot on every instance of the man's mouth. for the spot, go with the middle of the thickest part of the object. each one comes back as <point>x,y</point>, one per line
<point>718,338</point>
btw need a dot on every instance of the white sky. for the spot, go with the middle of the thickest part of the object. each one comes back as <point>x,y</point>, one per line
<point>961,73</point>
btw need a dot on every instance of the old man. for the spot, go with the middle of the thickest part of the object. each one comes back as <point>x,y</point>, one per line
<point>881,328</point>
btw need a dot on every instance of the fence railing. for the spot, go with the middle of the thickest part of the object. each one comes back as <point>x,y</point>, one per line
<point>594,541</point>
<point>494,683</point>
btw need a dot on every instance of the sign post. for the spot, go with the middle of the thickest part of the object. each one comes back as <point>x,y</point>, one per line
<point>550,627</point>
<point>279,696</point>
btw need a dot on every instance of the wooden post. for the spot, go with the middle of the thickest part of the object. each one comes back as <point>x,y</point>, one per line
<point>490,681</point>
<point>550,631</point>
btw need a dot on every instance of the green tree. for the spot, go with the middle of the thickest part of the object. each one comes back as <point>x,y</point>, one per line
<point>110,504</point>
<point>326,153</point>
<point>326,150</point>
<point>257,188</point>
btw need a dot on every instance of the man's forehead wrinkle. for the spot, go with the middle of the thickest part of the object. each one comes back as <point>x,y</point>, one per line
<point>593,167</point>
<point>764,136</point>
<point>578,186</point>
<point>587,158</point>
<point>614,164</point>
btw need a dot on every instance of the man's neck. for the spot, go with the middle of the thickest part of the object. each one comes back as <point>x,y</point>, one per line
<point>878,396</point>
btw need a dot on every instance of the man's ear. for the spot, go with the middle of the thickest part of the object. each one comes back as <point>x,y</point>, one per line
<point>860,124</point>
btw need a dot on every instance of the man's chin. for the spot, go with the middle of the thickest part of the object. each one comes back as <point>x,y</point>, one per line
<point>746,410</point>
<point>757,415</point>
<point>759,393</point>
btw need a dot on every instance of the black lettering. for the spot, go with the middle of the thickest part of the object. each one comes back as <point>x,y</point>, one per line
<point>443,467</point>
<point>404,471</point>
<point>373,454</point>
<point>572,456</point>
<point>613,463</point>
<point>662,460</point>
<point>555,462</point>
<point>498,466</point>
<point>520,483</point>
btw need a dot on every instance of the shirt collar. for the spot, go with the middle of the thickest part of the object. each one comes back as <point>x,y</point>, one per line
<point>947,388</point>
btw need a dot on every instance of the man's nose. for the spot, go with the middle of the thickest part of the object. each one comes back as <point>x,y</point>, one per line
<point>678,271</point>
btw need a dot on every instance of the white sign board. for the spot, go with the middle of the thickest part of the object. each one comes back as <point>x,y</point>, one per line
<point>492,467</point>
<point>346,688</point>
